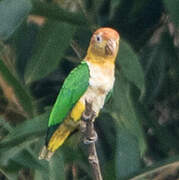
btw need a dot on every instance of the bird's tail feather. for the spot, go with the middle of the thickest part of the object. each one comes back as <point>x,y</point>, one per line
<point>55,141</point>
<point>45,154</point>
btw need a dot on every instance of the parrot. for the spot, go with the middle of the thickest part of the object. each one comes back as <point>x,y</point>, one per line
<point>91,81</point>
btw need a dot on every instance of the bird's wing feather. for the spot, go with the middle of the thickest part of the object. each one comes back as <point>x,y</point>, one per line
<point>108,96</point>
<point>73,88</point>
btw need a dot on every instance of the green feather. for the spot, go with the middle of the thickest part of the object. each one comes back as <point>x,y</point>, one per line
<point>108,96</point>
<point>73,88</point>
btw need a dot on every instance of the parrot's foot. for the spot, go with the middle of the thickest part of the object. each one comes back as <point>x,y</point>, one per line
<point>45,154</point>
<point>91,139</point>
<point>82,126</point>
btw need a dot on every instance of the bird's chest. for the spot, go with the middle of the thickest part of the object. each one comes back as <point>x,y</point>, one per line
<point>101,79</point>
<point>100,83</point>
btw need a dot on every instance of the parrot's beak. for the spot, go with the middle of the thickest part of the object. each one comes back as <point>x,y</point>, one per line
<point>110,47</point>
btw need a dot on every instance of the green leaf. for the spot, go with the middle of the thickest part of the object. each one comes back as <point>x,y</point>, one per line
<point>172,7</point>
<point>6,125</point>
<point>167,169</point>
<point>17,92</point>
<point>130,138</point>
<point>56,167</point>
<point>130,66</point>
<point>124,110</point>
<point>26,159</point>
<point>24,132</point>
<point>13,161</point>
<point>114,4</point>
<point>130,132</point>
<point>109,171</point>
<point>39,176</point>
<point>156,60</point>
<point>12,13</point>
<point>127,158</point>
<point>53,40</point>
<point>54,12</point>
<point>7,153</point>
<point>19,139</point>
<point>11,175</point>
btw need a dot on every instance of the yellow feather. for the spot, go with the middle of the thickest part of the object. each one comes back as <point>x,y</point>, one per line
<point>77,111</point>
<point>60,135</point>
<point>96,59</point>
<point>68,126</point>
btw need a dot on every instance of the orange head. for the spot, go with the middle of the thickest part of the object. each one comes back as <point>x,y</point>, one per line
<point>103,45</point>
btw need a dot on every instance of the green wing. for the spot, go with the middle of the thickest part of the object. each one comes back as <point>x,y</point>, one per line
<point>73,88</point>
<point>108,96</point>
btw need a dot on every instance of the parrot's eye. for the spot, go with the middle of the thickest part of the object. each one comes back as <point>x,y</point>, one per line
<point>98,38</point>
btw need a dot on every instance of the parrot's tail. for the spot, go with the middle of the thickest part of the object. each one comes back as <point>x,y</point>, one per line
<point>56,140</point>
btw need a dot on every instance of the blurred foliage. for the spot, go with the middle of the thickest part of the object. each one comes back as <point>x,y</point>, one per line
<point>41,41</point>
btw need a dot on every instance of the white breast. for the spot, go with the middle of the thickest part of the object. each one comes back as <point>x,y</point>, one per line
<point>100,83</point>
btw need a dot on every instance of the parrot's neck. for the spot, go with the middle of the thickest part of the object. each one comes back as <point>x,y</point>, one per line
<point>100,60</point>
<point>103,66</point>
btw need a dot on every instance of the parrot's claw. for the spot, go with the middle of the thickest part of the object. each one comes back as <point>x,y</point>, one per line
<point>88,117</point>
<point>91,139</point>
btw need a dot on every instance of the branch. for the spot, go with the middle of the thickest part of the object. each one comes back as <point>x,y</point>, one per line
<point>79,52</point>
<point>90,137</point>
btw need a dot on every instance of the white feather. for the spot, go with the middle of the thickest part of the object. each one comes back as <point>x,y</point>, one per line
<point>100,83</point>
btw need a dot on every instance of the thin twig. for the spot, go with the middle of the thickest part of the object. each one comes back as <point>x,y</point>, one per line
<point>79,52</point>
<point>74,172</point>
<point>90,137</point>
